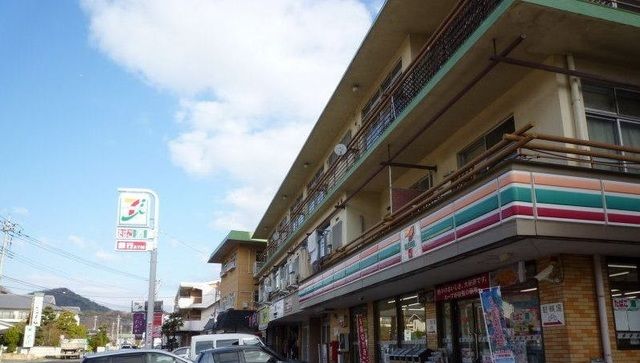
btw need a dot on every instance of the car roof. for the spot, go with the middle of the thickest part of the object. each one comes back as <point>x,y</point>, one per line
<point>232,348</point>
<point>128,352</point>
<point>222,336</point>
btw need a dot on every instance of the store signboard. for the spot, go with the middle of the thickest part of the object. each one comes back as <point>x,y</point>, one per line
<point>157,324</point>
<point>462,288</point>
<point>410,242</point>
<point>36,309</point>
<point>552,314</point>
<point>264,316</point>
<point>141,306</point>
<point>363,347</point>
<point>139,323</point>
<point>136,227</point>
<point>500,342</point>
<point>277,309</point>
<point>29,336</point>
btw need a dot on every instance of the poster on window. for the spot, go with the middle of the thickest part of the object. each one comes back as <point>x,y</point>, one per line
<point>500,343</point>
<point>626,312</point>
<point>363,348</point>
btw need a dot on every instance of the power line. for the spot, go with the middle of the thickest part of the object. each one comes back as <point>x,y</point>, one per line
<point>58,251</point>
<point>188,245</point>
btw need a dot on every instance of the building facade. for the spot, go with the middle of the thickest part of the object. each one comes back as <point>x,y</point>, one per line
<point>475,170</point>
<point>197,303</point>
<point>240,257</point>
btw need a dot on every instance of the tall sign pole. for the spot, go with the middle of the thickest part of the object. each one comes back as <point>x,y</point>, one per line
<point>137,231</point>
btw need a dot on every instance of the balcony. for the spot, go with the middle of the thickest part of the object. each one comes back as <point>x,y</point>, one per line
<point>630,5</point>
<point>527,186</point>
<point>443,44</point>
<point>257,266</point>
<point>193,325</point>
<point>226,267</point>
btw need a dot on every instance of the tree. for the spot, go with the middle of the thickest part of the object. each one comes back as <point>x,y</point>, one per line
<point>68,326</point>
<point>13,337</point>
<point>170,327</point>
<point>100,339</point>
<point>48,333</point>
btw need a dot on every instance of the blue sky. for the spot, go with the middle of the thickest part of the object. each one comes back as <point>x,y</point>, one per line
<point>197,100</point>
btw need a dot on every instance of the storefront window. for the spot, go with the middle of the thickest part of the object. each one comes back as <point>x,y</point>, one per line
<point>413,319</point>
<point>624,283</point>
<point>387,328</point>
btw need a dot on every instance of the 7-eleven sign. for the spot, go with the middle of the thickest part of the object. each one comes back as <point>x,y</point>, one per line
<point>137,224</point>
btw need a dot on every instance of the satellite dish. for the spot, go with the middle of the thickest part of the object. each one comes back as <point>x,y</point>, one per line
<point>340,149</point>
<point>276,235</point>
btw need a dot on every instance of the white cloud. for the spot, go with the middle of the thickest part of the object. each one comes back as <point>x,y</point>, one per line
<point>252,77</point>
<point>77,241</point>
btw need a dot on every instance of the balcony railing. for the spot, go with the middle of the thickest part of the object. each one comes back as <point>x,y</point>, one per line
<point>519,145</point>
<point>631,5</point>
<point>451,34</point>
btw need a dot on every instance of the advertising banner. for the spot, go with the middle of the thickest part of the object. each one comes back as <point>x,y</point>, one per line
<point>29,336</point>
<point>139,323</point>
<point>500,343</point>
<point>157,324</point>
<point>462,288</point>
<point>363,348</point>
<point>264,316</point>
<point>36,309</point>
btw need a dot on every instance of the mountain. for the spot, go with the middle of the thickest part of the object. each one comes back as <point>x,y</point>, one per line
<point>66,297</point>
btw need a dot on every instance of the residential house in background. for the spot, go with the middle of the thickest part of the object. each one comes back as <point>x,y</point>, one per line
<point>17,309</point>
<point>197,303</point>
<point>471,147</point>
<point>239,256</point>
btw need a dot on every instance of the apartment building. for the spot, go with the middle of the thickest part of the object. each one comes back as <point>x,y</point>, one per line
<point>240,257</point>
<point>197,302</point>
<point>478,159</point>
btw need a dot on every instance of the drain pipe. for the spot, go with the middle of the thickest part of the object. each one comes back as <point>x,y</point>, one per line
<point>577,103</point>
<point>602,309</point>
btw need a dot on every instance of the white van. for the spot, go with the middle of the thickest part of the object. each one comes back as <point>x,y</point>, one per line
<point>210,341</point>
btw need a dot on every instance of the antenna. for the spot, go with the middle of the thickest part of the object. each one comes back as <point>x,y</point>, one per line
<point>340,149</point>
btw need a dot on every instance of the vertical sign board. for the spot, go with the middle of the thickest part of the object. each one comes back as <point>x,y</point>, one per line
<point>500,342</point>
<point>29,336</point>
<point>36,309</point>
<point>363,344</point>
<point>136,227</point>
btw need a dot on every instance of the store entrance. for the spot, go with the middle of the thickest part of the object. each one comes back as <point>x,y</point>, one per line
<point>473,345</point>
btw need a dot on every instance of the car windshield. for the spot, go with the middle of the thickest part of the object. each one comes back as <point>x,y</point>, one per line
<point>204,345</point>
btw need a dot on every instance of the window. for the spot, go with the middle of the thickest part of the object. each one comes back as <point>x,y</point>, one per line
<point>387,327</point>
<point>134,358</point>
<point>613,117</point>
<point>200,346</point>
<point>206,358</point>
<point>386,84</point>
<point>161,358</point>
<point>624,283</point>
<point>256,356</point>
<point>414,320</point>
<point>485,142</point>
<point>228,357</point>
<point>226,342</point>
<point>423,184</point>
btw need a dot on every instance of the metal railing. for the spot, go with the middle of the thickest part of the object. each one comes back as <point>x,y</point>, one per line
<point>450,35</point>
<point>631,5</point>
<point>518,145</point>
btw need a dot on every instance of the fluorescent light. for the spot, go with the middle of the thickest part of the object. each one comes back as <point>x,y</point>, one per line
<point>615,289</point>
<point>631,292</point>
<point>615,295</point>
<point>529,290</point>
<point>622,266</point>
<point>619,274</point>
<point>409,298</point>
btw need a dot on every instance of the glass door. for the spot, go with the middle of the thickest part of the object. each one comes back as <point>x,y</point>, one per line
<point>473,345</point>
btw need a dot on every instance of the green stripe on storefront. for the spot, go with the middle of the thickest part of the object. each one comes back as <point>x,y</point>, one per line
<point>477,210</point>
<point>515,194</point>
<point>389,251</point>
<point>561,197</point>
<point>437,229</point>
<point>622,203</point>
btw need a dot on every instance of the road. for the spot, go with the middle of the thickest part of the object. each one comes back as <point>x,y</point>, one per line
<point>43,361</point>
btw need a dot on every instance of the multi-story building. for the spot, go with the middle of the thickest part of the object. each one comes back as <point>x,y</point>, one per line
<point>240,257</point>
<point>196,302</point>
<point>471,147</point>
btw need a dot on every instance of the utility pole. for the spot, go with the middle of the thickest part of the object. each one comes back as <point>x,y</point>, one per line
<point>8,228</point>
<point>118,330</point>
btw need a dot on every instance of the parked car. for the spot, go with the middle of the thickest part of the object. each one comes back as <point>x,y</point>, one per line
<point>181,352</point>
<point>211,341</point>
<point>241,354</point>
<point>135,356</point>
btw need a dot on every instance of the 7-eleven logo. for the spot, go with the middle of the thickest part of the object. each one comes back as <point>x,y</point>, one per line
<point>136,207</point>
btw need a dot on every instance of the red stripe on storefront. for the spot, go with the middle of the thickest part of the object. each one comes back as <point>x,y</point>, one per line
<point>520,210</point>
<point>437,242</point>
<point>623,218</point>
<point>474,227</point>
<point>570,214</point>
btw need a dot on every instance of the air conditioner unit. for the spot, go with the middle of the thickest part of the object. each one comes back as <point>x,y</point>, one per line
<point>291,269</point>
<point>293,281</point>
